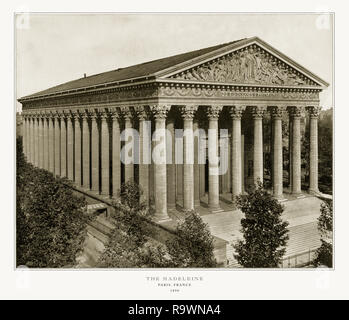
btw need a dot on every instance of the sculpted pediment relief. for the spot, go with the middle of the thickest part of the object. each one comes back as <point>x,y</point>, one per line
<point>250,65</point>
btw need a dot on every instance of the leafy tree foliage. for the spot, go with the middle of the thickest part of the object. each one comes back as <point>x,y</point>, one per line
<point>264,233</point>
<point>50,219</point>
<point>323,255</point>
<point>193,246</point>
<point>131,244</point>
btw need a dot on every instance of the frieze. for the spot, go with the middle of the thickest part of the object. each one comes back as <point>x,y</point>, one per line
<point>250,65</point>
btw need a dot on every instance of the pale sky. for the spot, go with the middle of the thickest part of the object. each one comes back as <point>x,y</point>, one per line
<point>56,48</point>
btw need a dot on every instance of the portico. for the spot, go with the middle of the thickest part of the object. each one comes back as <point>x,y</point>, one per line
<point>77,130</point>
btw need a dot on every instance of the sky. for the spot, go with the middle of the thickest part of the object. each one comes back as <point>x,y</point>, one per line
<point>55,48</point>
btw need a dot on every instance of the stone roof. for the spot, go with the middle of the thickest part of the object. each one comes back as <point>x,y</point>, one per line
<point>145,69</point>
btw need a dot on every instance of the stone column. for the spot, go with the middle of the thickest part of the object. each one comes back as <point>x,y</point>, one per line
<point>77,151</point>
<point>116,147</point>
<point>32,139</point>
<point>63,145</point>
<point>51,144</point>
<point>171,166</point>
<point>94,152</point>
<point>290,144</point>
<point>36,140</point>
<point>295,114</point>
<point>105,170</point>
<point>213,170</point>
<point>144,149</point>
<point>57,144</point>
<point>41,141</point>
<point>24,133</point>
<point>129,169</point>
<point>188,113</point>
<point>196,164</point>
<point>159,157</point>
<point>257,114</point>
<point>277,151</point>
<point>46,141</point>
<point>313,152</point>
<point>236,114</point>
<point>70,146</point>
<point>85,151</point>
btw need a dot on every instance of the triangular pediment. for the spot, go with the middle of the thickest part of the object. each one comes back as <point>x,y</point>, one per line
<point>252,64</point>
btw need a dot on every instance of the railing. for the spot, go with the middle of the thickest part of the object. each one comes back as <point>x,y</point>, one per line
<point>299,260</point>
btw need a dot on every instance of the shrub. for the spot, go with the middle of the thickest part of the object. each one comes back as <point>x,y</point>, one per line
<point>50,219</point>
<point>264,233</point>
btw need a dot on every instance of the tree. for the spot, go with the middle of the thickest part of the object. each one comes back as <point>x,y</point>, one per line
<point>324,254</point>
<point>264,233</point>
<point>193,245</point>
<point>50,219</point>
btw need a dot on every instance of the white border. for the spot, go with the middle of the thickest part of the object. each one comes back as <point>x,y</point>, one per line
<point>242,284</point>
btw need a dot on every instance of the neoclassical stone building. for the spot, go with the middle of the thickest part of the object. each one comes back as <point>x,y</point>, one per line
<point>73,129</point>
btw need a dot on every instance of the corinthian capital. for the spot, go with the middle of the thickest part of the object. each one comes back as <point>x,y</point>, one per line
<point>160,110</point>
<point>258,111</point>
<point>141,112</point>
<point>188,112</point>
<point>277,111</point>
<point>313,111</point>
<point>295,111</point>
<point>126,112</point>
<point>236,111</point>
<point>213,112</point>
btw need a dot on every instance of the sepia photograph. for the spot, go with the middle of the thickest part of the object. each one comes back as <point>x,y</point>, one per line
<point>174,140</point>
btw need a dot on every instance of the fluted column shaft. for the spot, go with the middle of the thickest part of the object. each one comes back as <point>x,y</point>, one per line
<point>159,157</point>
<point>116,170</point>
<point>51,144</point>
<point>196,165</point>
<point>295,113</point>
<point>213,160</point>
<point>277,152</point>
<point>129,168</point>
<point>313,152</point>
<point>24,134</point>
<point>36,141</point>
<point>77,151</point>
<point>85,151</point>
<point>57,145</point>
<point>236,114</point>
<point>32,140</point>
<point>144,151</point>
<point>105,170</point>
<point>70,147</point>
<point>41,143</point>
<point>257,114</point>
<point>46,143</point>
<point>94,153</point>
<point>63,147</point>
<point>290,145</point>
<point>188,113</point>
<point>171,167</point>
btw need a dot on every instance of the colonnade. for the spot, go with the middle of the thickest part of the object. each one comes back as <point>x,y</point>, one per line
<point>84,146</point>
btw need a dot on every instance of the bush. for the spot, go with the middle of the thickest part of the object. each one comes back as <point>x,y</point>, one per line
<point>50,219</point>
<point>264,233</point>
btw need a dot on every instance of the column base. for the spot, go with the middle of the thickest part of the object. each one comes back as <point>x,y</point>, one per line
<point>314,192</point>
<point>161,218</point>
<point>215,210</point>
